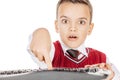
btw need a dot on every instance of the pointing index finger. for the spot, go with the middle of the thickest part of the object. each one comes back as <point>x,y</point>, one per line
<point>48,61</point>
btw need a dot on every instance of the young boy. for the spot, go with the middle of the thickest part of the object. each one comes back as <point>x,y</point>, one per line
<point>74,24</point>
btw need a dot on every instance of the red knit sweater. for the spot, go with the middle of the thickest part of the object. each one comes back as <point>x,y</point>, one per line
<point>60,60</point>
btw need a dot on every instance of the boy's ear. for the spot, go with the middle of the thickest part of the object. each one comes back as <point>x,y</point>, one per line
<point>90,28</point>
<point>56,26</point>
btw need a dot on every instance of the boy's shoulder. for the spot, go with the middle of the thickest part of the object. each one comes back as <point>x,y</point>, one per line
<point>96,55</point>
<point>94,51</point>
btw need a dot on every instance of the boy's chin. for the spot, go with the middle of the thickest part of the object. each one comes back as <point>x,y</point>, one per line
<point>73,45</point>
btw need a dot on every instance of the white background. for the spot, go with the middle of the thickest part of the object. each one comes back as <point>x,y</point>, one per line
<point>19,18</point>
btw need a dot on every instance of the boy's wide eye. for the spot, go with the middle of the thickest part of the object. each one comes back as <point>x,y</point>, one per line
<point>82,22</point>
<point>64,21</point>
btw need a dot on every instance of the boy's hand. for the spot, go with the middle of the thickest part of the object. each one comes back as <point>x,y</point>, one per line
<point>41,46</point>
<point>104,66</point>
<point>44,56</point>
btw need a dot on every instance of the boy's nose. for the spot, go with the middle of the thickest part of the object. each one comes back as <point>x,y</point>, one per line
<point>73,28</point>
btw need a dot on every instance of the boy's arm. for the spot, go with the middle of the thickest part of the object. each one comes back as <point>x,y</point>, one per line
<point>115,70</point>
<point>40,45</point>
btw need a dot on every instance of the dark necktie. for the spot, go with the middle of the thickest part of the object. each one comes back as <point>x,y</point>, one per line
<point>73,53</point>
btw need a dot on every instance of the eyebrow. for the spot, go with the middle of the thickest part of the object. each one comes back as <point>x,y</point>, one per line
<point>63,17</point>
<point>83,18</point>
<point>78,18</point>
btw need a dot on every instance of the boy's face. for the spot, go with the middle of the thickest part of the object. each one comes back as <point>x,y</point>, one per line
<point>73,23</point>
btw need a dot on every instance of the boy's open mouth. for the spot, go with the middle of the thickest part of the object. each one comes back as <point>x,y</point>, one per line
<point>72,37</point>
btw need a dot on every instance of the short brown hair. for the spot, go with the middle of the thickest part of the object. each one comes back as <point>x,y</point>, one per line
<point>86,2</point>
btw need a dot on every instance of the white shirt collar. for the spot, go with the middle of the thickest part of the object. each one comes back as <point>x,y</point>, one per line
<point>81,48</point>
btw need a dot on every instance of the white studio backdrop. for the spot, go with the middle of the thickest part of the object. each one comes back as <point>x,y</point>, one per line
<point>19,18</point>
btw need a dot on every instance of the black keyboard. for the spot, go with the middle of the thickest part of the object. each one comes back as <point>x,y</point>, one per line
<point>55,74</point>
